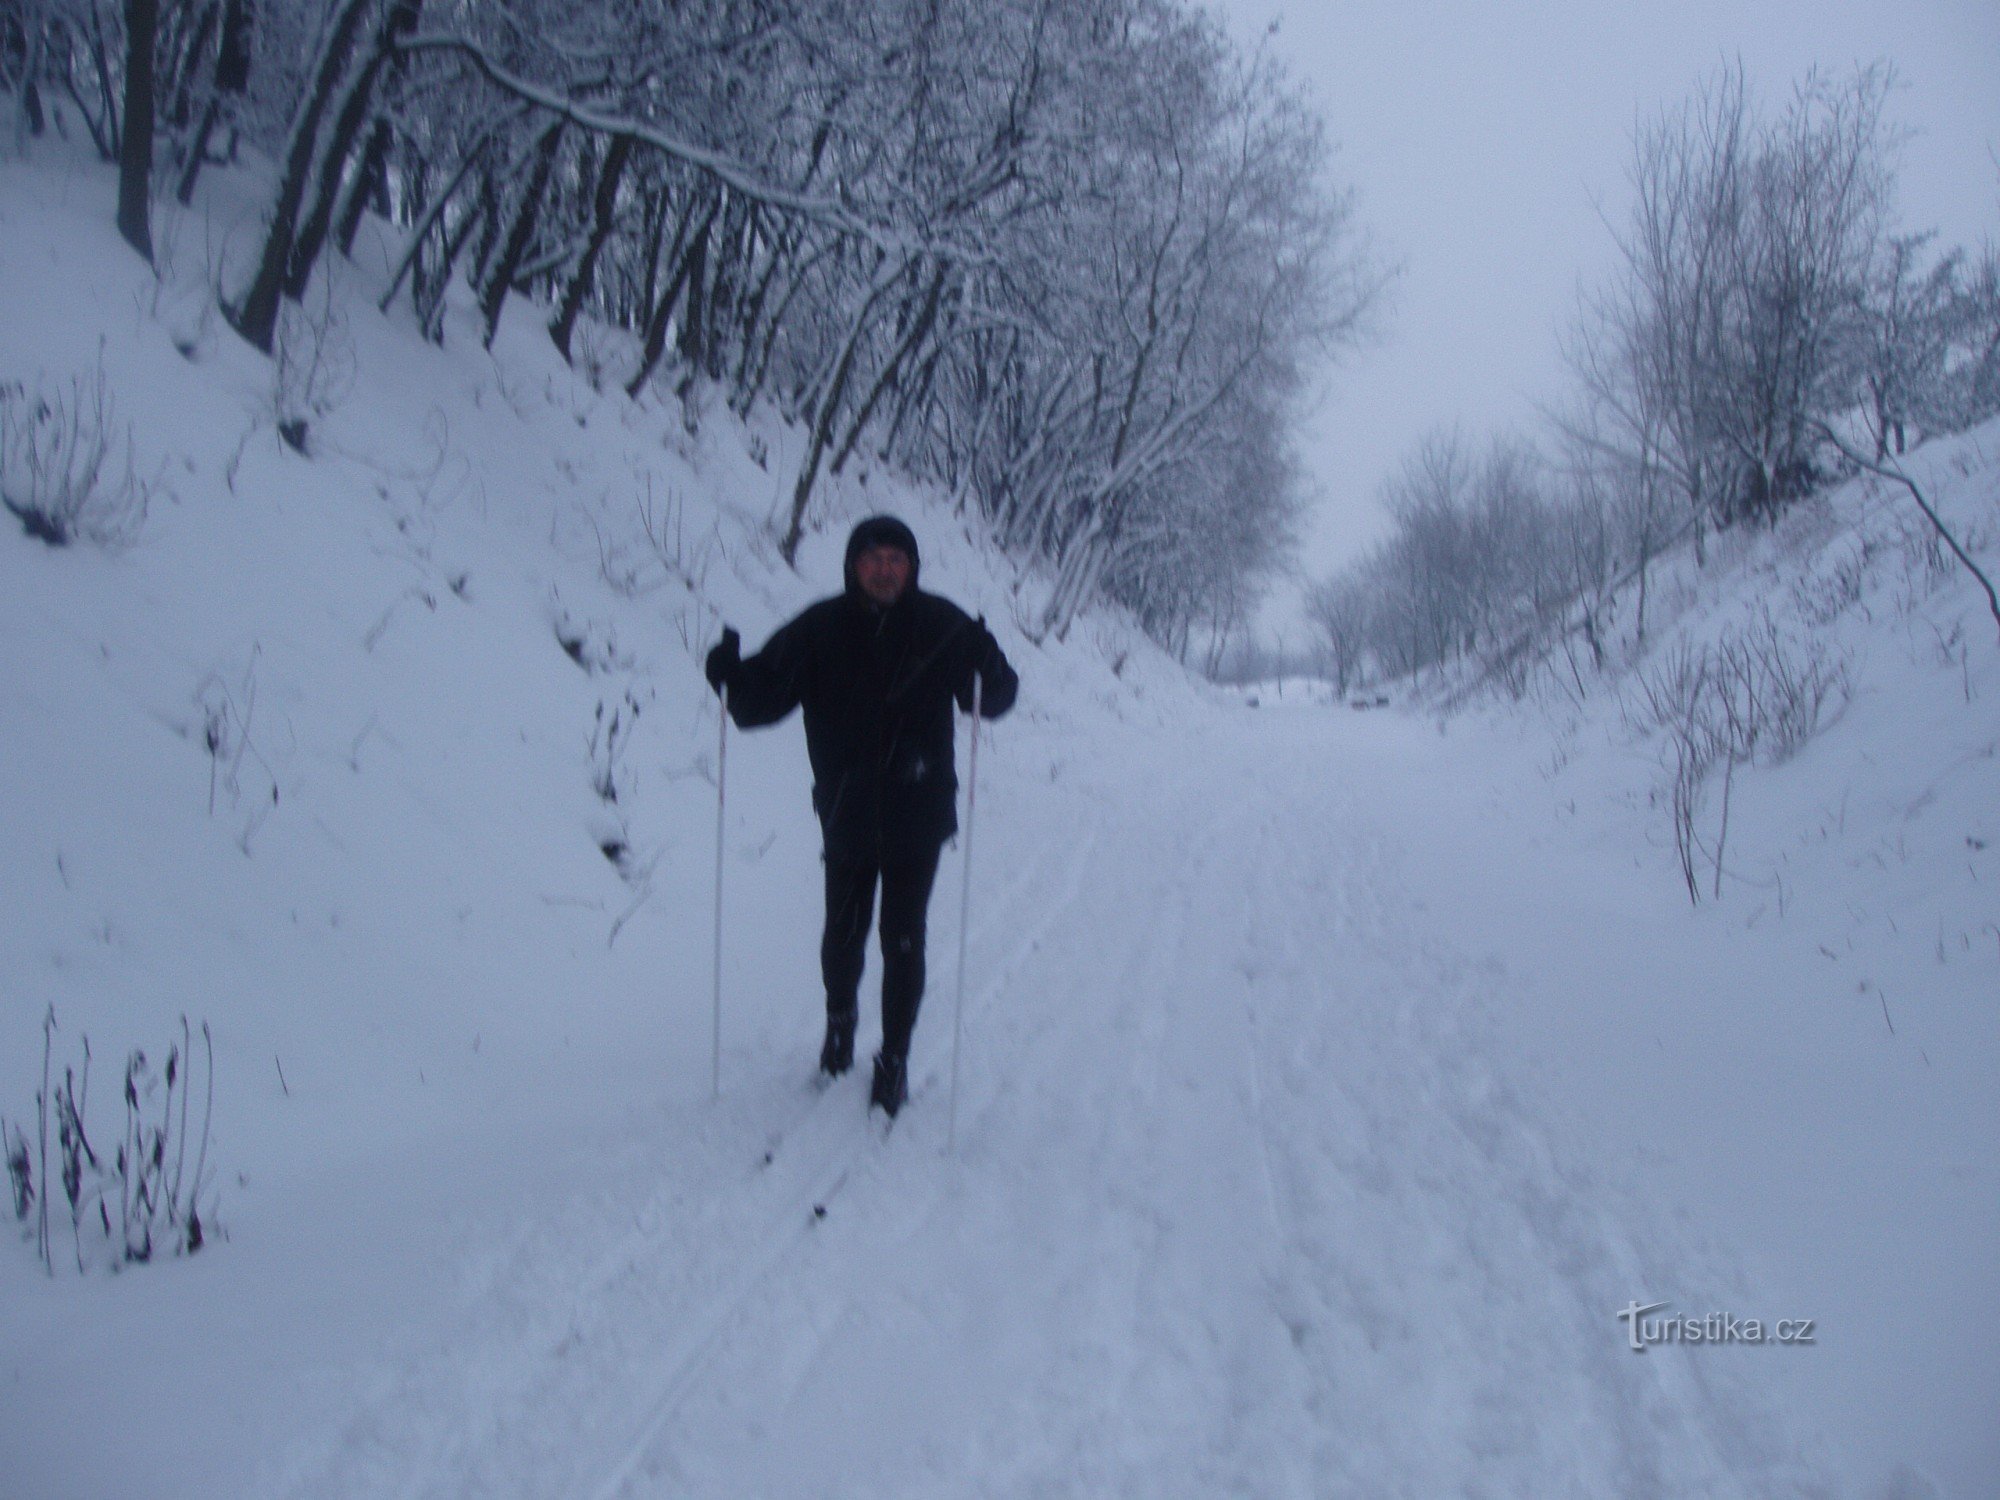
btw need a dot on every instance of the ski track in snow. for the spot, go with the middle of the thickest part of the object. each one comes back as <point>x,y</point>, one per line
<point>1239,1209</point>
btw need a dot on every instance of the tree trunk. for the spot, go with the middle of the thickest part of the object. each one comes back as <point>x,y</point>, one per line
<point>104,131</point>
<point>655,343</point>
<point>490,226</point>
<point>311,239</point>
<point>176,83</point>
<point>431,317</point>
<point>425,215</point>
<point>1076,580</point>
<point>757,359</point>
<point>29,120</point>
<point>135,154</point>
<point>826,408</point>
<point>655,237</point>
<point>370,190</point>
<point>501,279</point>
<point>1639,618</point>
<point>750,322</point>
<point>918,329</point>
<point>256,316</point>
<point>232,79</point>
<point>694,306</point>
<point>728,283</point>
<point>603,206</point>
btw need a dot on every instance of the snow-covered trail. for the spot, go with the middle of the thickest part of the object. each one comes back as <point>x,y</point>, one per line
<point>1245,1203</point>
<point>1331,1079</point>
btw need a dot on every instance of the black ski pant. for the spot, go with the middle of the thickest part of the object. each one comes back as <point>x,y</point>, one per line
<point>850,906</point>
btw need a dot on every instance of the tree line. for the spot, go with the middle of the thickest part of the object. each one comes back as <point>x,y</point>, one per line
<point>1766,329</point>
<point>1071,261</point>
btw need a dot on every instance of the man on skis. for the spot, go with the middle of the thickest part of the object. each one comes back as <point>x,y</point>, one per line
<point>876,668</point>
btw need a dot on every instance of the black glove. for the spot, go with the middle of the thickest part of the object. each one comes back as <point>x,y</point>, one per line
<point>980,659</point>
<point>986,654</point>
<point>723,659</point>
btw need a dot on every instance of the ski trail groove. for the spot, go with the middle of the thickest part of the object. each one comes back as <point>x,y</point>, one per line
<point>1251,1199</point>
<point>689,1363</point>
<point>687,1356</point>
<point>428,1420</point>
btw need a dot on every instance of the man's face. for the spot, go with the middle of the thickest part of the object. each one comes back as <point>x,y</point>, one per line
<point>883,572</point>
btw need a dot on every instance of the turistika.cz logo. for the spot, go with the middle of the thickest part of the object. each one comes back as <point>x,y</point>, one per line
<point>1643,1332</point>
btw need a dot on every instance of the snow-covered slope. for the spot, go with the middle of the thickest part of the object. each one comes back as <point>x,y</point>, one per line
<point>1329,1082</point>
<point>1806,1064</point>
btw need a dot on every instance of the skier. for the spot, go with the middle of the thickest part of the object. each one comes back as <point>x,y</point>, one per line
<point>876,669</point>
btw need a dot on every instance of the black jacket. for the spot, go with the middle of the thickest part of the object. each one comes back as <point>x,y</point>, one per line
<point>877,687</point>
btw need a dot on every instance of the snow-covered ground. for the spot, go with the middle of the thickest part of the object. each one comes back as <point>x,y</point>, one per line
<point>1330,1081</point>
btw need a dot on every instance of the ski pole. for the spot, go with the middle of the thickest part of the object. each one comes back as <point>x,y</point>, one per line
<point>721,799</point>
<point>964,917</point>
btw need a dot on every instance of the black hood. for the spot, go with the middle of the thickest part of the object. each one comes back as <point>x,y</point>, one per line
<point>879,531</point>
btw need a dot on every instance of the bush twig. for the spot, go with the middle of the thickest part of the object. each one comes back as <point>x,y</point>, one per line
<point>158,1205</point>
<point>59,471</point>
<point>1895,472</point>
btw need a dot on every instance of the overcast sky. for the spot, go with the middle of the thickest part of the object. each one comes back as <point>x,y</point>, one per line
<point>1482,138</point>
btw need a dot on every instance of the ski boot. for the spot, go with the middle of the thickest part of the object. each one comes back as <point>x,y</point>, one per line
<point>892,1084</point>
<point>836,1054</point>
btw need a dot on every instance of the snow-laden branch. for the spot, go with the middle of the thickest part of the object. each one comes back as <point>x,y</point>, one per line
<point>1937,522</point>
<point>742,180</point>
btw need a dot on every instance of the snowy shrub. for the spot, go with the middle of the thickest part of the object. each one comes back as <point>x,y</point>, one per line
<point>20,1170</point>
<point>1833,587</point>
<point>129,1203</point>
<point>592,352</point>
<point>66,469</point>
<point>588,643</point>
<point>1758,692</point>
<point>665,526</point>
<point>1675,694</point>
<point>1927,564</point>
<point>610,736</point>
<point>227,717</point>
<point>1782,687</point>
